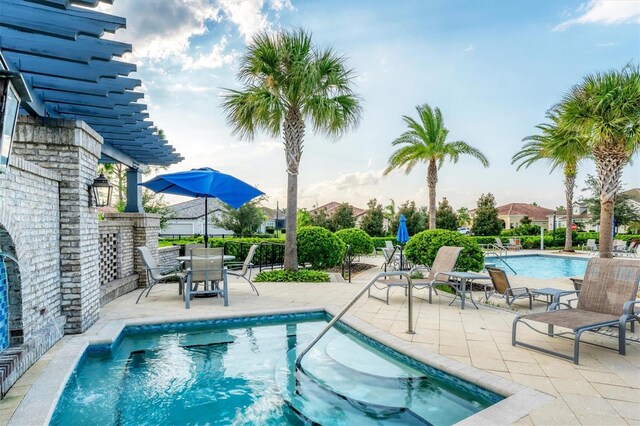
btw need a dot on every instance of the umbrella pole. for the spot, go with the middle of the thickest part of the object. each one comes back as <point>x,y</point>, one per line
<point>206,222</point>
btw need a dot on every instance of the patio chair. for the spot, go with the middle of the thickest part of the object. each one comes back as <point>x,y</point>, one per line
<point>445,261</point>
<point>619,248</point>
<point>514,244</point>
<point>502,288</point>
<point>499,245</point>
<point>591,246</point>
<point>157,274</point>
<point>206,267</point>
<point>607,299</point>
<point>242,269</point>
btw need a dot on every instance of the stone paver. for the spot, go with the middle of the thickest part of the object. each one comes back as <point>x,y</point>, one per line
<point>604,389</point>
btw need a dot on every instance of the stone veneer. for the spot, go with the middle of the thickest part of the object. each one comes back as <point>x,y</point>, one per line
<point>71,149</point>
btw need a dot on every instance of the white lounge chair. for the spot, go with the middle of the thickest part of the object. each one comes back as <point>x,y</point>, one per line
<point>242,269</point>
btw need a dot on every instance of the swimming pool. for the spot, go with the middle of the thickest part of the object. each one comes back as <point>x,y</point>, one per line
<point>242,371</point>
<point>541,266</point>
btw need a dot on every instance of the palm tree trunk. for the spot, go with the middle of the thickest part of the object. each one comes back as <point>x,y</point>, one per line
<point>293,136</point>
<point>610,159</point>
<point>569,185</point>
<point>432,180</point>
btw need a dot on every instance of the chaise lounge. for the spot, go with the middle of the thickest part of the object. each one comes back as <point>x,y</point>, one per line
<point>607,299</point>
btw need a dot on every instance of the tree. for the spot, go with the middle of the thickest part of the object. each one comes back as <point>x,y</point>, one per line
<point>463,216</point>
<point>525,220</point>
<point>373,220</point>
<point>486,221</point>
<point>624,212</point>
<point>561,210</point>
<point>244,220</point>
<point>154,203</point>
<point>304,218</point>
<point>289,82</point>
<point>416,218</point>
<point>320,218</point>
<point>425,141</point>
<point>604,110</point>
<point>342,218</point>
<point>561,148</point>
<point>445,216</point>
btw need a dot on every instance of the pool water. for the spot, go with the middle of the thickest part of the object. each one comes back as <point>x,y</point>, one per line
<point>229,373</point>
<point>541,266</point>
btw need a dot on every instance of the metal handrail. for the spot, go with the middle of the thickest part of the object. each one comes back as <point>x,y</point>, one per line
<point>499,256</point>
<point>354,300</point>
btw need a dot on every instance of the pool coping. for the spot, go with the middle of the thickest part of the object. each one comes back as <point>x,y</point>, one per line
<point>39,403</point>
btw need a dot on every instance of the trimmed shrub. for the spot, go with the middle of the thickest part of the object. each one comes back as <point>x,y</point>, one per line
<point>319,247</point>
<point>286,276</point>
<point>360,241</point>
<point>423,246</point>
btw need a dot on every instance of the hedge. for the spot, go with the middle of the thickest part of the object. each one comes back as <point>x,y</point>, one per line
<point>319,247</point>
<point>379,242</point>
<point>359,241</point>
<point>422,248</point>
<point>286,276</point>
<point>530,241</point>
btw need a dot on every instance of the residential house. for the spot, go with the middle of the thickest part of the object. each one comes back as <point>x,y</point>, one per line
<point>331,207</point>
<point>187,218</point>
<point>275,219</point>
<point>581,217</point>
<point>513,213</point>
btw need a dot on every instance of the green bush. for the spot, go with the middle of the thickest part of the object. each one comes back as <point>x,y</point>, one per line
<point>359,241</point>
<point>423,246</point>
<point>286,276</point>
<point>379,242</point>
<point>319,247</point>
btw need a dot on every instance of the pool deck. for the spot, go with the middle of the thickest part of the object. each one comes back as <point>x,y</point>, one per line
<point>604,389</point>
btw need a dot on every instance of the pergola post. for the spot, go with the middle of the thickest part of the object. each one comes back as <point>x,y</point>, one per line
<point>134,191</point>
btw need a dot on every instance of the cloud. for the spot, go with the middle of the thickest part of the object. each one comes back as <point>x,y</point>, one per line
<point>470,48</point>
<point>611,44</point>
<point>608,12</point>
<point>356,188</point>
<point>165,29</point>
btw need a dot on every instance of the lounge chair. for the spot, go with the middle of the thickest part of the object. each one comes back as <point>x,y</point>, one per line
<point>619,247</point>
<point>514,244</point>
<point>445,261</point>
<point>607,299</point>
<point>242,269</point>
<point>502,288</point>
<point>157,274</point>
<point>206,267</point>
<point>499,245</point>
<point>591,246</point>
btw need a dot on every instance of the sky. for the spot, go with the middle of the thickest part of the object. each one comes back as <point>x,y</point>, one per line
<point>493,67</point>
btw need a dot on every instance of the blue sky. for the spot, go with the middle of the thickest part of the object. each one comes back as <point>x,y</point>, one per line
<point>492,67</point>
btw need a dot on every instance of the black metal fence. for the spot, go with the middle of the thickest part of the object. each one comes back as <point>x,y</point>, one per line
<point>347,262</point>
<point>268,255</point>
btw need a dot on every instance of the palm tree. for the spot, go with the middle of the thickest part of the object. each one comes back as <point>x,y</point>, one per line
<point>287,82</point>
<point>426,142</point>
<point>605,109</point>
<point>560,148</point>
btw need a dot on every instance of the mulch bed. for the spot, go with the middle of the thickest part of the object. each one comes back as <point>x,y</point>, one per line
<point>356,268</point>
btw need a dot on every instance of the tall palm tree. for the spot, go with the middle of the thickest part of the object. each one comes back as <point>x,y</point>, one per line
<point>561,148</point>
<point>287,81</point>
<point>426,142</point>
<point>605,109</point>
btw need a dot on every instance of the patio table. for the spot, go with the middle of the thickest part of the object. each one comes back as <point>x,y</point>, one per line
<point>461,286</point>
<point>549,293</point>
<point>225,258</point>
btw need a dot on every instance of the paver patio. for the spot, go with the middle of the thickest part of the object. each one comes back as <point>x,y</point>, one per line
<point>604,389</point>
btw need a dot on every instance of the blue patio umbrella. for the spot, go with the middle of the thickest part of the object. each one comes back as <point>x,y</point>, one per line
<point>402,237</point>
<point>204,183</point>
<point>403,233</point>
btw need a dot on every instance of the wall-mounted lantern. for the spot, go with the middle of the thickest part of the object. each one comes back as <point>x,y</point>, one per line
<point>100,192</point>
<point>9,107</point>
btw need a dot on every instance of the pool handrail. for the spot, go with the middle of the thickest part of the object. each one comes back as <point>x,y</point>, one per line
<point>355,299</point>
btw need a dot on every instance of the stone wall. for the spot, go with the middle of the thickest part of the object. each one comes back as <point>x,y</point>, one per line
<point>71,149</point>
<point>117,276</point>
<point>30,233</point>
<point>167,255</point>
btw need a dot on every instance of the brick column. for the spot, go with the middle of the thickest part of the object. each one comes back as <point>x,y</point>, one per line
<point>146,228</point>
<point>72,149</point>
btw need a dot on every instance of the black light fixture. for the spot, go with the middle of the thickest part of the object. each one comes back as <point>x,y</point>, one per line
<point>100,192</point>
<point>9,108</point>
